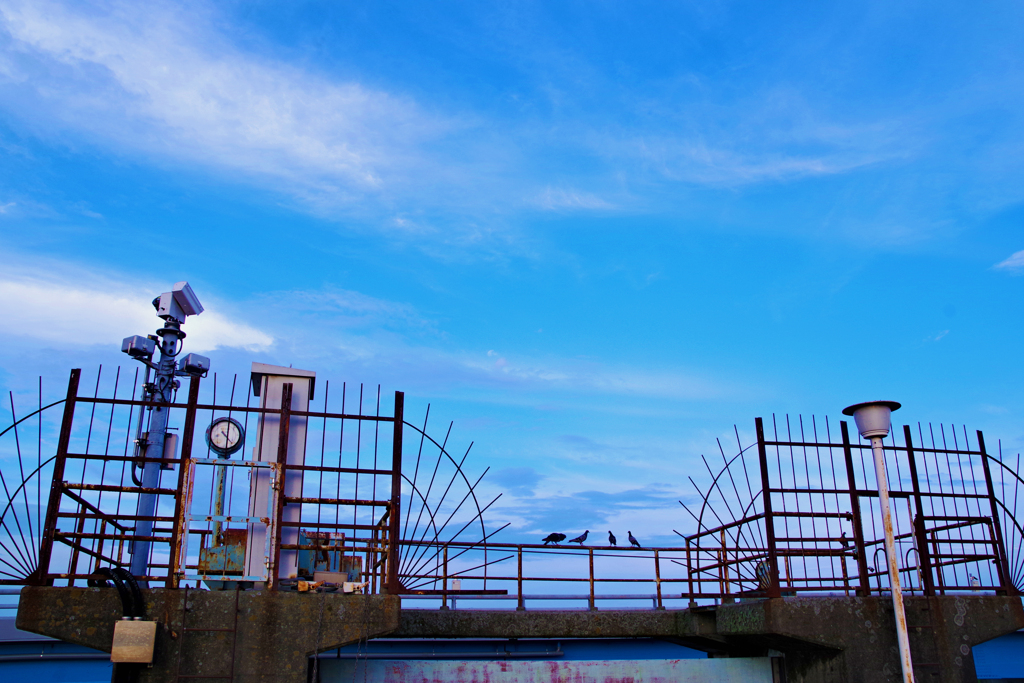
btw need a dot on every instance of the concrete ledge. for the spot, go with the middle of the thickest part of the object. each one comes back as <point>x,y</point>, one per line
<point>274,635</point>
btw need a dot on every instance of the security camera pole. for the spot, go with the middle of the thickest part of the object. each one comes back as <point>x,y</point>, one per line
<point>873,421</point>
<point>173,307</point>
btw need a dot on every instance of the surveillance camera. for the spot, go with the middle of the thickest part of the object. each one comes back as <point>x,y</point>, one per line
<point>186,298</point>
<point>178,303</point>
<point>194,364</point>
<point>138,346</point>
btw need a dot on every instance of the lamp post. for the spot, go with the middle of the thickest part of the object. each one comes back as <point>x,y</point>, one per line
<point>873,421</point>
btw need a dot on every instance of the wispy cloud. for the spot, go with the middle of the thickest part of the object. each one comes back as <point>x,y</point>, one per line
<point>1014,264</point>
<point>565,199</point>
<point>160,79</point>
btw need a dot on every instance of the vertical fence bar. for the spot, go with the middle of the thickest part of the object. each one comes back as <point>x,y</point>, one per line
<point>394,587</point>
<point>657,578</point>
<point>924,560</point>
<point>519,579</point>
<point>444,581</point>
<point>689,576</point>
<point>176,564</point>
<point>774,589</point>
<point>79,542</point>
<point>1001,563</point>
<point>858,530</point>
<point>590,553</point>
<point>40,576</point>
<point>281,475</point>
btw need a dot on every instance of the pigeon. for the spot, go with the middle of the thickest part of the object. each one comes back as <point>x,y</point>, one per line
<point>555,538</point>
<point>844,540</point>
<point>763,574</point>
<point>975,584</point>
<point>633,541</point>
<point>611,538</point>
<point>579,539</point>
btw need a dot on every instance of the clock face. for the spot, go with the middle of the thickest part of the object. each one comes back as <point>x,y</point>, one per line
<point>225,435</point>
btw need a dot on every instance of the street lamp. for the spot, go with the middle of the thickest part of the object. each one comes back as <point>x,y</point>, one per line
<point>873,421</point>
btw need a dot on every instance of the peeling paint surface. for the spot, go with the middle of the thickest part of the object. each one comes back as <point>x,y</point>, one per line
<point>740,670</point>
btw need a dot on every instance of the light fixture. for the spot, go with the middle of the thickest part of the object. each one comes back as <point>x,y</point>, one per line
<point>873,420</point>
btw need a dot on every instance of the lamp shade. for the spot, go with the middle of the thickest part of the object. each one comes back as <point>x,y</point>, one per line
<point>873,417</point>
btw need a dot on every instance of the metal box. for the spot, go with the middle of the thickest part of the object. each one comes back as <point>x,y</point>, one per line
<point>194,364</point>
<point>133,642</point>
<point>138,346</point>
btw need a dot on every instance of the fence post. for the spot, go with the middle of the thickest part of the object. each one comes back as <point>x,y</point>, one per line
<point>281,474</point>
<point>519,577</point>
<point>864,589</point>
<point>1001,563</point>
<point>689,576</point>
<point>176,561</point>
<point>923,556</point>
<point>444,581</point>
<point>590,553</point>
<point>393,585</point>
<point>40,576</point>
<point>657,577</point>
<point>774,589</point>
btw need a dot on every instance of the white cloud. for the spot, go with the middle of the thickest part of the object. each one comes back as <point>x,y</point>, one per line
<point>161,80</point>
<point>1014,264</point>
<point>67,313</point>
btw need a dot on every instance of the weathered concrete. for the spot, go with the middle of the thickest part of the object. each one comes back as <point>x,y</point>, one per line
<point>815,640</point>
<point>275,633</point>
<point>819,639</point>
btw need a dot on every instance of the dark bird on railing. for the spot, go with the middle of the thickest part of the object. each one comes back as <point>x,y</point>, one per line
<point>633,541</point>
<point>579,539</point>
<point>844,540</point>
<point>975,584</point>
<point>764,576</point>
<point>611,538</point>
<point>554,538</point>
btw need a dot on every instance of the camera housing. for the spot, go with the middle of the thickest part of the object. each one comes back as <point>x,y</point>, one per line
<point>138,346</point>
<point>179,303</point>
<point>194,364</point>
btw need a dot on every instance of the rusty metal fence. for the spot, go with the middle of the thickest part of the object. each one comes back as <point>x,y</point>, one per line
<point>796,512</point>
<point>792,513</point>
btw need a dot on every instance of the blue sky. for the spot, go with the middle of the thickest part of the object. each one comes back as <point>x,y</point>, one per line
<point>595,235</point>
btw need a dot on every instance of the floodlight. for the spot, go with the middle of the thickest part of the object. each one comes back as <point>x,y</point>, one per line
<point>186,298</point>
<point>194,364</point>
<point>138,346</point>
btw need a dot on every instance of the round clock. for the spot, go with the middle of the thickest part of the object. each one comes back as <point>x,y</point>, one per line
<point>225,435</point>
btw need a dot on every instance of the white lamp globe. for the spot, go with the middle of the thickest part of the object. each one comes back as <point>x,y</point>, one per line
<point>873,417</point>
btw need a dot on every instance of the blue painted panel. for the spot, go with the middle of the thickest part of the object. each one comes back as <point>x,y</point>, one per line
<point>738,670</point>
<point>1000,658</point>
<point>66,671</point>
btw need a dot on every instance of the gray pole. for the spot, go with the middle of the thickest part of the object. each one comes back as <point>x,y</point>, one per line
<point>162,393</point>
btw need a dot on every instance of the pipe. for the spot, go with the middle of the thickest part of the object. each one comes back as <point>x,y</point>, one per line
<point>894,570</point>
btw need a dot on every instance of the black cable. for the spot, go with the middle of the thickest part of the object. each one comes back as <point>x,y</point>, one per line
<point>127,603</point>
<point>137,600</point>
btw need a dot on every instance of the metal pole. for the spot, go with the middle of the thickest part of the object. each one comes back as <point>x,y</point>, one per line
<point>894,569</point>
<point>774,590</point>
<point>519,576</point>
<point>162,391</point>
<point>394,586</point>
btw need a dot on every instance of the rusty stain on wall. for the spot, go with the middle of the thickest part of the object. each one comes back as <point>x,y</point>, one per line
<point>726,670</point>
